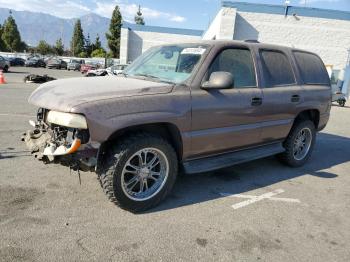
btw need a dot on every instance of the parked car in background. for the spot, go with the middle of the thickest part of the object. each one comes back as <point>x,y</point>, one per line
<point>74,64</point>
<point>56,63</point>
<point>4,64</point>
<point>116,69</point>
<point>35,62</point>
<point>84,68</point>
<point>16,61</point>
<point>96,72</point>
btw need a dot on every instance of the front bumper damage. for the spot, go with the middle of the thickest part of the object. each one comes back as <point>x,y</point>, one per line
<point>61,145</point>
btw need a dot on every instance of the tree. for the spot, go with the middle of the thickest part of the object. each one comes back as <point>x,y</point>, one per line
<point>97,44</point>
<point>11,36</point>
<point>59,47</point>
<point>77,43</point>
<point>24,46</point>
<point>139,18</point>
<point>99,53</point>
<point>83,54</point>
<point>44,48</point>
<point>113,36</point>
<point>2,44</point>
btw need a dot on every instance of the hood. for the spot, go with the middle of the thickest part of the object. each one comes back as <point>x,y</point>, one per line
<point>63,95</point>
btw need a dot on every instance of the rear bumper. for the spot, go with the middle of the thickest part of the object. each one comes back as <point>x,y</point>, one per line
<point>324,118</point>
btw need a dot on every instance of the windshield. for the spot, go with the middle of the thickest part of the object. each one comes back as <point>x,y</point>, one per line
<point>173,64</point>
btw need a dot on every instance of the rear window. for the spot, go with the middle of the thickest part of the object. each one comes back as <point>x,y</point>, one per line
<point>311,68</point>
<point>276,68</point>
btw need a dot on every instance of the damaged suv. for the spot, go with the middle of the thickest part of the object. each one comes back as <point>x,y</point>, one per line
<point>196,107</point>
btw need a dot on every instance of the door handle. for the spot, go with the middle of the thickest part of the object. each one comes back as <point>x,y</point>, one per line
<point>256,101</point>
<point>295,98</point>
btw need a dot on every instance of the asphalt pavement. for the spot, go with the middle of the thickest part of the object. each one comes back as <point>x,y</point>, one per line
<point>258,211</point>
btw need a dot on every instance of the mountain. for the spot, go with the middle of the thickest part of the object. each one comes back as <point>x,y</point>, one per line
<point>35,26</point>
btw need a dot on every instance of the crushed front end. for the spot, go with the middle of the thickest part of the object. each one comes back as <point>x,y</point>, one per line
<point>62,138</point>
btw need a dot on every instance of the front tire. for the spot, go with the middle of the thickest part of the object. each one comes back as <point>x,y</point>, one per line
<point>299,144</point>
<point>6,69</point>
<point>139,172</point>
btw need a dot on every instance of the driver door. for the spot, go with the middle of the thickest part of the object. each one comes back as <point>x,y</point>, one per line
<point>227,119</point>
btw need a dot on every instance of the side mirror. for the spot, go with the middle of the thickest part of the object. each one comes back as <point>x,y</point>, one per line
<point>219,80</point>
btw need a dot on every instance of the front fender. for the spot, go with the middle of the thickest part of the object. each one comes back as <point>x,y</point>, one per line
<point>108,116</point>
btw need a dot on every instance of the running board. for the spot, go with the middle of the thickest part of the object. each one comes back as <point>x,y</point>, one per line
<point>230,159</point>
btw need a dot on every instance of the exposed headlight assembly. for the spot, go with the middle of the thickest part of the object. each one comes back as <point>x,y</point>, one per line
<point>67,119</point>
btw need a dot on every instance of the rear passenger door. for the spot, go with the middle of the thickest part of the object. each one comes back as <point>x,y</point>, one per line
<point>282,96</point>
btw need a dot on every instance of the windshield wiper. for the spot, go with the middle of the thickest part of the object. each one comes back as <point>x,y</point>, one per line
<point>155,78</point>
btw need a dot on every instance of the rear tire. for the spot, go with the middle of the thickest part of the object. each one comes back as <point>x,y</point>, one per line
<point>127,161</point>
<point>299,144</point>
<point>6,69</point>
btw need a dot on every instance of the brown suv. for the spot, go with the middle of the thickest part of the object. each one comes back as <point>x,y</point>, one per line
<point>199,106</point>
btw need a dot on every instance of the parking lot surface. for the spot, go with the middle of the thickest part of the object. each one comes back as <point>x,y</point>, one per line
<point>258,211</point>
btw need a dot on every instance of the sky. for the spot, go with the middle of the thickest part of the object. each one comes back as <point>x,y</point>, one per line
<point>195,14</point>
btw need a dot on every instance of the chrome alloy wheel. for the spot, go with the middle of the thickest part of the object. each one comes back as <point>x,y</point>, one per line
<point>145,174</point>
<point>302,144</point>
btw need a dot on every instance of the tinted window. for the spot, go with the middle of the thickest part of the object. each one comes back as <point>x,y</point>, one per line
<point>311,68</point>
<point>239,63</point>
<point>277,69</point>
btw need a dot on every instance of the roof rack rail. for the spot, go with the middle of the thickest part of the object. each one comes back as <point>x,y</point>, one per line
<point>251,41</point>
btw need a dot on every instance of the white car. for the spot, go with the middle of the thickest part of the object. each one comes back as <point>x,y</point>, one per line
<point>111,71</point>
<point>116,69</point>
<point>96,72</point>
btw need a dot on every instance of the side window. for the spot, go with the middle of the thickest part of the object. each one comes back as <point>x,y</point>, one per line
<point>311,68</point>
<point>277,69</point>
<point>239,63</point>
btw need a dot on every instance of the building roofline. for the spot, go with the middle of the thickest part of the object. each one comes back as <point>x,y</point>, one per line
<point>281,10</point>
<point>160,29</point>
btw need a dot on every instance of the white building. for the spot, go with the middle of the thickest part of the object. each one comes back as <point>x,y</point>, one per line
<point>135,39</point>
<point>325,32</point>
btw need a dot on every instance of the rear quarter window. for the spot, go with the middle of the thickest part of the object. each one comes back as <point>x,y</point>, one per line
<point>312,69</point>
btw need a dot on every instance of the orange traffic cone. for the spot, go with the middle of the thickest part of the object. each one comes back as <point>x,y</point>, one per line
<point>2,78</point>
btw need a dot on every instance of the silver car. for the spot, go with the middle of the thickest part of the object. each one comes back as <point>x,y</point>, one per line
<point>4,64</point>
<point>74,64</point>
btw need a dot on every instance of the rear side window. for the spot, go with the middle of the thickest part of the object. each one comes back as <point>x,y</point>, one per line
<point>311,68</point>
<point>277,69</point>
<point>239,63</point>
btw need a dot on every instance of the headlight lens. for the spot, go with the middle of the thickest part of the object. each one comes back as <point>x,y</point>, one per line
<point>67,119</point>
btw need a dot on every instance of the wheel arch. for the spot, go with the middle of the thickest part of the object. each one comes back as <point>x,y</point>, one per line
<point>168,131</point>
<point>310,114</point>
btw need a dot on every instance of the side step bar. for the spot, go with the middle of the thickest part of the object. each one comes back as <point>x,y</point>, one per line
<point>230,159</point>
